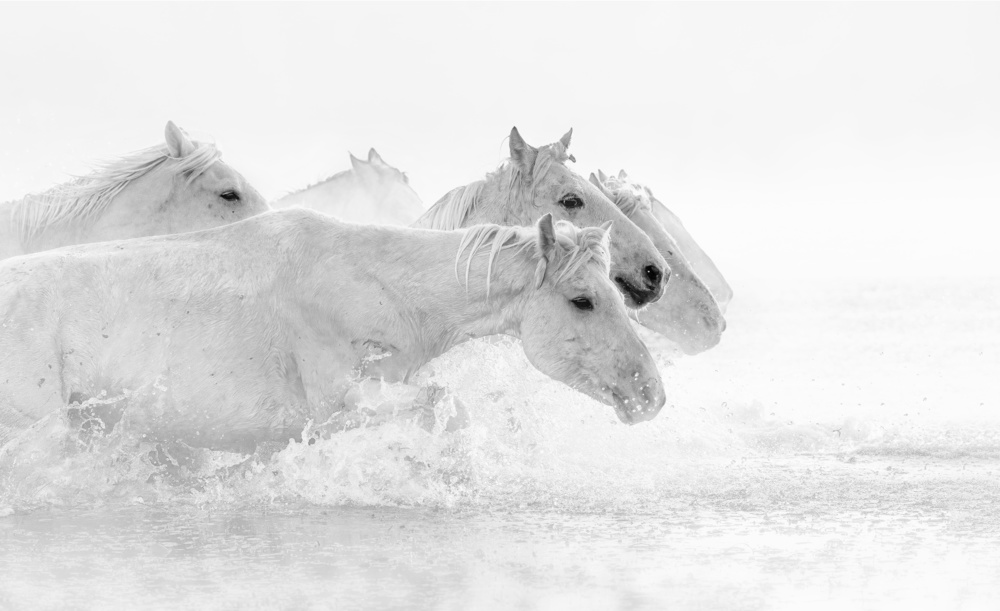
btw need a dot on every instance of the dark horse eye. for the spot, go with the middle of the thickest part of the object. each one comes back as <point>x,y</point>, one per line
<point>230,196</point>
<point>571,201</point>
<point>582,303</point>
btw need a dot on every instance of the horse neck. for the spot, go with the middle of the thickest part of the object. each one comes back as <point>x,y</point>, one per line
<point>499,199</point>
<point>500,206</point>
<point>120,213</point>
<point>420,280</point>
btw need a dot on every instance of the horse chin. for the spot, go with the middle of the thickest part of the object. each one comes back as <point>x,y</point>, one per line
<point>621,409</point>
<point>635,298</point>
<point>627,411</point>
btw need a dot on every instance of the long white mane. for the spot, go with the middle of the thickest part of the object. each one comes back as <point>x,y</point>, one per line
<point>85,198</point>
<point>575,247</point>
<point>452,210</point>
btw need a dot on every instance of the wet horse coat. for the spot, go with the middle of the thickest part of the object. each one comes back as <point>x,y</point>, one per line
<point>227,337</point>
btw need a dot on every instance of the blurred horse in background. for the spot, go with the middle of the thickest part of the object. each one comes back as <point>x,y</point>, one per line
<point>687,314</point>
<point>371,192</point>
<point>699,260</point>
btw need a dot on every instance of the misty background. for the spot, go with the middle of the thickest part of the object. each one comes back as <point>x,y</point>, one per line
<point>794,140</point>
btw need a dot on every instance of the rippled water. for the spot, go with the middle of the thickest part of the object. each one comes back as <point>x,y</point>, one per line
<point>840,449</point>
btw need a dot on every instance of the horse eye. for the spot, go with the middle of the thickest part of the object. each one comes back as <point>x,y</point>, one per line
<point>582,303</point>
<point>571,201</point>
<point>230,196</point>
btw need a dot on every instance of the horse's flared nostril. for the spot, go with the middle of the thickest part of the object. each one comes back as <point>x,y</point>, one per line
<point>655,276</point>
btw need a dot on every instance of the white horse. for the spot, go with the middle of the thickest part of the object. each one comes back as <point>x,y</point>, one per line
<point>232,336</point>
<point>536,181</point>
<point>702,264</point>
<point>687,314</point>
<point>371,192</point>
<point>174,187</point>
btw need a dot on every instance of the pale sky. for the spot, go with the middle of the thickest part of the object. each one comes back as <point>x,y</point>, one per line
<point>793,139</point>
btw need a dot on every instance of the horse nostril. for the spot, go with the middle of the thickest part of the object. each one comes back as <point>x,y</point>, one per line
<point>653,274</point>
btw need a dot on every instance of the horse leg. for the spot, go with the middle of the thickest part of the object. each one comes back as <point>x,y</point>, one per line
<point>366,405</point>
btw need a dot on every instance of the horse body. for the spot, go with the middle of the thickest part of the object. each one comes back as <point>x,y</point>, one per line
<point>536,181</point>
<point>687,314</point>
<point>175,187</point>
<point>371,192</point>
<point>241,334</point>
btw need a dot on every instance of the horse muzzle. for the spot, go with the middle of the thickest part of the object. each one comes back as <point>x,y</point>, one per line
<point>649,289</point>
<point>643,406</point>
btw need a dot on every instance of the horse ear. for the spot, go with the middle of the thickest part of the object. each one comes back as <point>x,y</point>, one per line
<point>606,238</point>
<point>622,175</point>
<point>546,243</point>
<point>600,185</point>
<point>566,138</point>
<point>374,157</point>
<point>602,176</point>
<point>546,234</point>
<point>361,167</point>
<point>178,144</point>
<point>521,152</point>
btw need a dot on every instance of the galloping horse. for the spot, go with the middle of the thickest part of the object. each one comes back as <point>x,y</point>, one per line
<point>536,181</point>
<point>371,192</point>
<point>688,314</point>
<point>174,187</point>
<point>232,336</point>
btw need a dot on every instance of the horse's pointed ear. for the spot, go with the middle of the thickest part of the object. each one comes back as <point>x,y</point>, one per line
<point>522,153</point>
<point>622,175</point>
<point>602,176</point>
<point>374,157</point>
<point>356,163</point>
<point>546,243</point>
<point>566,138</point>
<point>600,185</point>
<point>606,238</point>
<point>546,235</point>
<point>178,143</point>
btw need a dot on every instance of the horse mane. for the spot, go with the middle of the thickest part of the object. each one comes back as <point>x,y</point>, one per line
<point>380,168</point>
<point>85,198</point>
<point>454,209</point>
<point>628,196</point>
<point>339,175</point>
<point>575,247</point>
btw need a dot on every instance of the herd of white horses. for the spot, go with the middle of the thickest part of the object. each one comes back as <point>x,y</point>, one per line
<point>165,287</point>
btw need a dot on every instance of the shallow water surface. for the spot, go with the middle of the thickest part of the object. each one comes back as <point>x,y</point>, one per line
<point>821,457</point>
<point>851,532</point>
